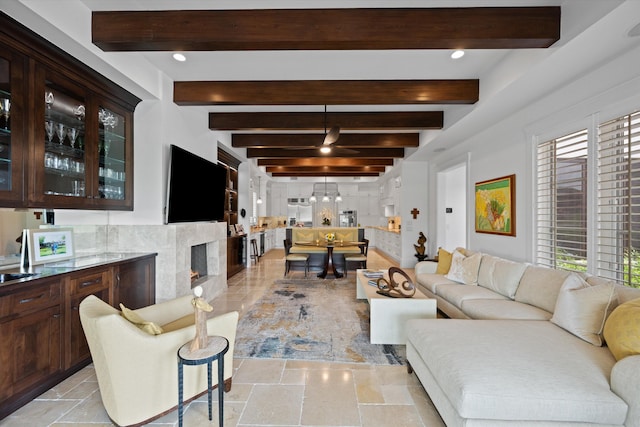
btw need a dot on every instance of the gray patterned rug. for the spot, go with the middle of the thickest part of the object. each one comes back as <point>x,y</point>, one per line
<point>311,319</point>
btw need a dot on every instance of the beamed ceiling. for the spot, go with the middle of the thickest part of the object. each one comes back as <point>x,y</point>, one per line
<point>381,131</point>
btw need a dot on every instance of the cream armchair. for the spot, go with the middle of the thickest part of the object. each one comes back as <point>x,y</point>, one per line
<point>138,372</point>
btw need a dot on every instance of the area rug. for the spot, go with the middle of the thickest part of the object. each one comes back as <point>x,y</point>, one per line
<point>312,319</point>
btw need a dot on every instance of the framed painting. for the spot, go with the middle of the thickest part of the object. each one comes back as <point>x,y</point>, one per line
<point>48,245</point>
<point>495,206</point>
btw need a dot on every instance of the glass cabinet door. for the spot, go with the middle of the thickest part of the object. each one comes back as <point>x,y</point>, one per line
<point>65,143</point>
<point>5,125</point>
<point>12,101</point>
<point>112,151</point>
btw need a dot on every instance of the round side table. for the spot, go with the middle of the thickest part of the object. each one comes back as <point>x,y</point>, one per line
<point>215,350</point>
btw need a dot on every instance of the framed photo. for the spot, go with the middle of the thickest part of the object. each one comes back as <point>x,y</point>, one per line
<point>48,245</point>
<point>495,206</point>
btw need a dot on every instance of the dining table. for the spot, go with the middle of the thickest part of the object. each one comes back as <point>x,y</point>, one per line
<point>329,261</point>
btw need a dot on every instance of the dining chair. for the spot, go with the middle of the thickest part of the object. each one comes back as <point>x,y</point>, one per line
<point>294,258</point>
<point>360,259</point>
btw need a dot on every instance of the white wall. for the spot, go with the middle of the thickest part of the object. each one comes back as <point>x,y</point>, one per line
<point>413,194</point>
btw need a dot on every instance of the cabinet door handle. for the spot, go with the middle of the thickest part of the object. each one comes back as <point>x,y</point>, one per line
<point>26,300</point>
<point>90,282</point>
<point>118,280</point>
<point>55,316</point>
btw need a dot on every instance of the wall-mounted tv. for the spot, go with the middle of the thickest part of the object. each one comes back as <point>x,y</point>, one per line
<point>195,189</point>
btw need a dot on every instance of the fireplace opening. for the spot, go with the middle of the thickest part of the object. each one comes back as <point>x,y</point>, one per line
<point>198,262</point>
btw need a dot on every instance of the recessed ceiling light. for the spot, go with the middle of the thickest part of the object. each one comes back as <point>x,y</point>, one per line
<point>325,150</point>
<point>179,57</point>
<point>457,54</point>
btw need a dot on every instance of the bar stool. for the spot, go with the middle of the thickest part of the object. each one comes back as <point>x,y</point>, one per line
<point>254,250</point>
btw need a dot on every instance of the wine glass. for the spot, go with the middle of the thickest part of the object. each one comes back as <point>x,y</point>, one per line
<point>5,106</point>
<point>79,112</point>
<point>48,99</point>
<point>72,133</point>
<point>61,131</point>
<point>48,126</point>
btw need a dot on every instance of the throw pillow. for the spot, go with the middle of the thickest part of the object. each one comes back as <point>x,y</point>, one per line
<point>444,261</point>
<point>182,322</point>
<point>582,309</point>
<point>464,269</point>
<point>133,317</point>
<point>622,330</point>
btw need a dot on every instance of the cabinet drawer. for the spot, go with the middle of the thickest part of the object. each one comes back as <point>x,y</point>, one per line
<point>35,298</point>
<point>89,283</point>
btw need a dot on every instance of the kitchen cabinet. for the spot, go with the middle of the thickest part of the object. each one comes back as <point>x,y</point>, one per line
<point>82,284</point>
<point>31,355</point>
<point>135,283</point>
<point>70,129</point>
<point>235,254</point>
<point>280,235</point>
<point>42,339</point>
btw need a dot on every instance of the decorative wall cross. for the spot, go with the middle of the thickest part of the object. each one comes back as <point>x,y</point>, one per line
<point>415,213</point>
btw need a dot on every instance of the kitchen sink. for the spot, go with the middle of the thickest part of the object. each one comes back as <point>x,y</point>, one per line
<point>7,277</point>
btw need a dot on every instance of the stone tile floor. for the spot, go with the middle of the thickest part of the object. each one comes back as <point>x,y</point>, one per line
<point>265,392</point>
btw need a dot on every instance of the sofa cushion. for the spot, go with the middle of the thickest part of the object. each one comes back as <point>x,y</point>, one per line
<point>500,275</point>
<point>624,293</point>
<point>464,269</point>
<point>431,281</point>
<point>179,323</point>
<point>622,330</point>
<point>302,235</point>
<point>541,373</point>
<point>582,309</point>
<point>444,261</point>
<point>456,293</point>
<point>539,286</point>
<point>502,309</point>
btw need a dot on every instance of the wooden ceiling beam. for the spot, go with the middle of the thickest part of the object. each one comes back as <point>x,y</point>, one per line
<point>326,92</point>
<point>257,153</point>
<point>310,169</point>
<point>324,161</point>
<point>346,140</point>
<point>327,29</point>
<point>328,174</point>
<point>277,121</point>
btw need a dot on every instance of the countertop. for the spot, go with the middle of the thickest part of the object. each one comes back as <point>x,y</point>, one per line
<point>70,265</point>
<point>395,230</point>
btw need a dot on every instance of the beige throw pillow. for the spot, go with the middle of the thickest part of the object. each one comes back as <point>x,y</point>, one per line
<point>583,309</point>
<point>133,317</point>
<point>464,269</point>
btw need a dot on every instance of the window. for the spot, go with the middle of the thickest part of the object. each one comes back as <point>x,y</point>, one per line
<point>618,230</point>
<point>612,241</point>
<point>562,202</point>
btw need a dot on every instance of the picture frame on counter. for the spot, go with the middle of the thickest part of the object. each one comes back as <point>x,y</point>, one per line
<point>40,246</point>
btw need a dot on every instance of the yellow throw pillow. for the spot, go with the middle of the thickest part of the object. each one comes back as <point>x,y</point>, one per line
<point>183,322</point>
<point>622,330</point>
<point>444,261</point>
<point>133,317</point>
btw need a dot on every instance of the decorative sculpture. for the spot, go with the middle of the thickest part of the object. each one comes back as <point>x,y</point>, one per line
<point>420,249</point>
<point>392,289</point>
<point>201,308</point>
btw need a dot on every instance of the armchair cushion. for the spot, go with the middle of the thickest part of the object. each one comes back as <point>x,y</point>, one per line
<point>133,317</point>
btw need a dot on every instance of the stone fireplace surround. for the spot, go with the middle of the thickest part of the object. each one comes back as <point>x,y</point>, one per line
<point>173,244</point>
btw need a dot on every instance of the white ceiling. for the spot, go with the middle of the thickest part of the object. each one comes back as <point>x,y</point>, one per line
<point>592,31</point>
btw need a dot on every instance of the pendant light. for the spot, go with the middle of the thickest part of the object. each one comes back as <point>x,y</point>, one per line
<point>259,201</point>
<point>325,198</point>
<point>338,197</point>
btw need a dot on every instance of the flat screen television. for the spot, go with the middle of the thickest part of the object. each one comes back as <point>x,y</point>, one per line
<point>196,188</point>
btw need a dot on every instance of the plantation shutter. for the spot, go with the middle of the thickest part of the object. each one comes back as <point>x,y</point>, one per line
<point>619,199</point>
<point>561,206</point>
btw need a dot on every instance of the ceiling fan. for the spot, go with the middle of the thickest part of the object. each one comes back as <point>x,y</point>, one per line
<point>329,137</point>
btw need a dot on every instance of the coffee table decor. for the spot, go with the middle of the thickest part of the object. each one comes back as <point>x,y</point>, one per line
<point>393,289</point>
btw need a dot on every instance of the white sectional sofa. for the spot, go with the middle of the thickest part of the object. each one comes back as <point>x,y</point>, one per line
<point>523,347</point>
